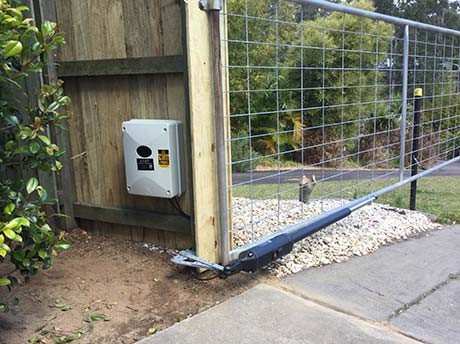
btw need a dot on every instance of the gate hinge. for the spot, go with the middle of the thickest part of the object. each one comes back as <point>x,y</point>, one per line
<point>210,5</point>
<point>189,258</point>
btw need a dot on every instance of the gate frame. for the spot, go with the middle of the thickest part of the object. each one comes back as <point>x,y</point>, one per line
<point>261,252</point>
<point>308,227</point>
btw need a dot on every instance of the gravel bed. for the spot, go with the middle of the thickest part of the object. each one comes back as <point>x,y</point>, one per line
<point>363,232</point>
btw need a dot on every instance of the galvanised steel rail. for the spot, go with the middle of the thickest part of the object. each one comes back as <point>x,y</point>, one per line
<point>376,16</point>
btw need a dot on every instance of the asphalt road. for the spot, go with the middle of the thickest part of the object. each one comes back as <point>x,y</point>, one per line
<point>293,176</point>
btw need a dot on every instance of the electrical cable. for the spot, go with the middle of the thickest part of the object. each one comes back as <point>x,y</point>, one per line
<point>177,206</point>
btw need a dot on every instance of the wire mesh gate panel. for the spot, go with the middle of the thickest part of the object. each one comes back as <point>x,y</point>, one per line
<point>321,110</point>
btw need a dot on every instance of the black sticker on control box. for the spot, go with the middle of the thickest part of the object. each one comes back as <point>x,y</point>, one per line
<point>145,165</point>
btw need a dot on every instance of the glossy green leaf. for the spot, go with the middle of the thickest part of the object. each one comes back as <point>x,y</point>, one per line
<point>45,228</point>
<point>42,193</point>
<point>31,185</point>
<point>26,262</point>
<point>22,8</point>
<point>63,245</point>
<point>16,223</point>
<point>21,221</point>
<point>5,281</point>
<point>41,103</point>
<point>9,233</point>
<point>9,209</point>
<point>34,147</point>
<point>53,106</point>
<point>13,48</point>
<point>32,29</point>
<point>45,139</point>
<point>47,28</point>
<point>15,12</point>
<point>5,247</point>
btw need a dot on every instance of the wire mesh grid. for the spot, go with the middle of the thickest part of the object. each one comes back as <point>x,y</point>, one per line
<point>316,109</point>
<point>434,67</point>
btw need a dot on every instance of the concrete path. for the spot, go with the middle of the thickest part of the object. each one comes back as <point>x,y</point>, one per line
<point>403,293</point>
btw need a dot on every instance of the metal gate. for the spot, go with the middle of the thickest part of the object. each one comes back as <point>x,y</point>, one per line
<point>341,103</point>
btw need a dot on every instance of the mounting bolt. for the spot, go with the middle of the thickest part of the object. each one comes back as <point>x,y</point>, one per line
<point>210,5</point>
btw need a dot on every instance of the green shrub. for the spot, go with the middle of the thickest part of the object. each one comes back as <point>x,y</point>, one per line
<point>27,241</point>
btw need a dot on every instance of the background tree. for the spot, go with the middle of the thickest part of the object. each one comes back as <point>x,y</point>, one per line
<point>274,78</point>
<point>353,76</point>
<point>437,73</point>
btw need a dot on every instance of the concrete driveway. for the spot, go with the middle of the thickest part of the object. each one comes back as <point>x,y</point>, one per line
<point>404,293</point>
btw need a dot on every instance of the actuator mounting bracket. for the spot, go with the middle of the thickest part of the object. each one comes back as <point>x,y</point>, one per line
<point>210,5</point>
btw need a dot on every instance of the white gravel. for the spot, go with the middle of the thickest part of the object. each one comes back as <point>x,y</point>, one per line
<point>363,232</point>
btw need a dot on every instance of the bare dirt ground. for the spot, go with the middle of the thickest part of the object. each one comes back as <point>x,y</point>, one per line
<point>107,291</point>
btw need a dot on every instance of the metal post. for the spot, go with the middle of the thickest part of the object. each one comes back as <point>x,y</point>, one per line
<point>402,152</point>
<point>64,187</point>
<point>224,235</point>
<point>418,93</point>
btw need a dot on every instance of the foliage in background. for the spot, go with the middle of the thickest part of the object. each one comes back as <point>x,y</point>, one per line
<point>277,124</point>
<point>269,89</point>
<point>27,242</point>
<point>435,12</point>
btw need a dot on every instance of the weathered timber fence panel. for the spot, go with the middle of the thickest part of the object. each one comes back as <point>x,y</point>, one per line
<point>123,59</point>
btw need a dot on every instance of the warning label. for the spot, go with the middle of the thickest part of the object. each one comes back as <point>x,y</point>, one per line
<point>163,158</point>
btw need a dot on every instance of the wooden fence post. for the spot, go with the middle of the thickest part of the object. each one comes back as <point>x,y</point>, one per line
<point>202,132</point>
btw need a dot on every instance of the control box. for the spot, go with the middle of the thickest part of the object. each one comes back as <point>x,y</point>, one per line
<point>153,159</point>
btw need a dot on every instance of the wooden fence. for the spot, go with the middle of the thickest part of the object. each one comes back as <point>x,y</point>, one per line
<point>128,59</point>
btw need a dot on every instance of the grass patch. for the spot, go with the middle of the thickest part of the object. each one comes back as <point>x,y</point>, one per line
<point>435,195</point>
